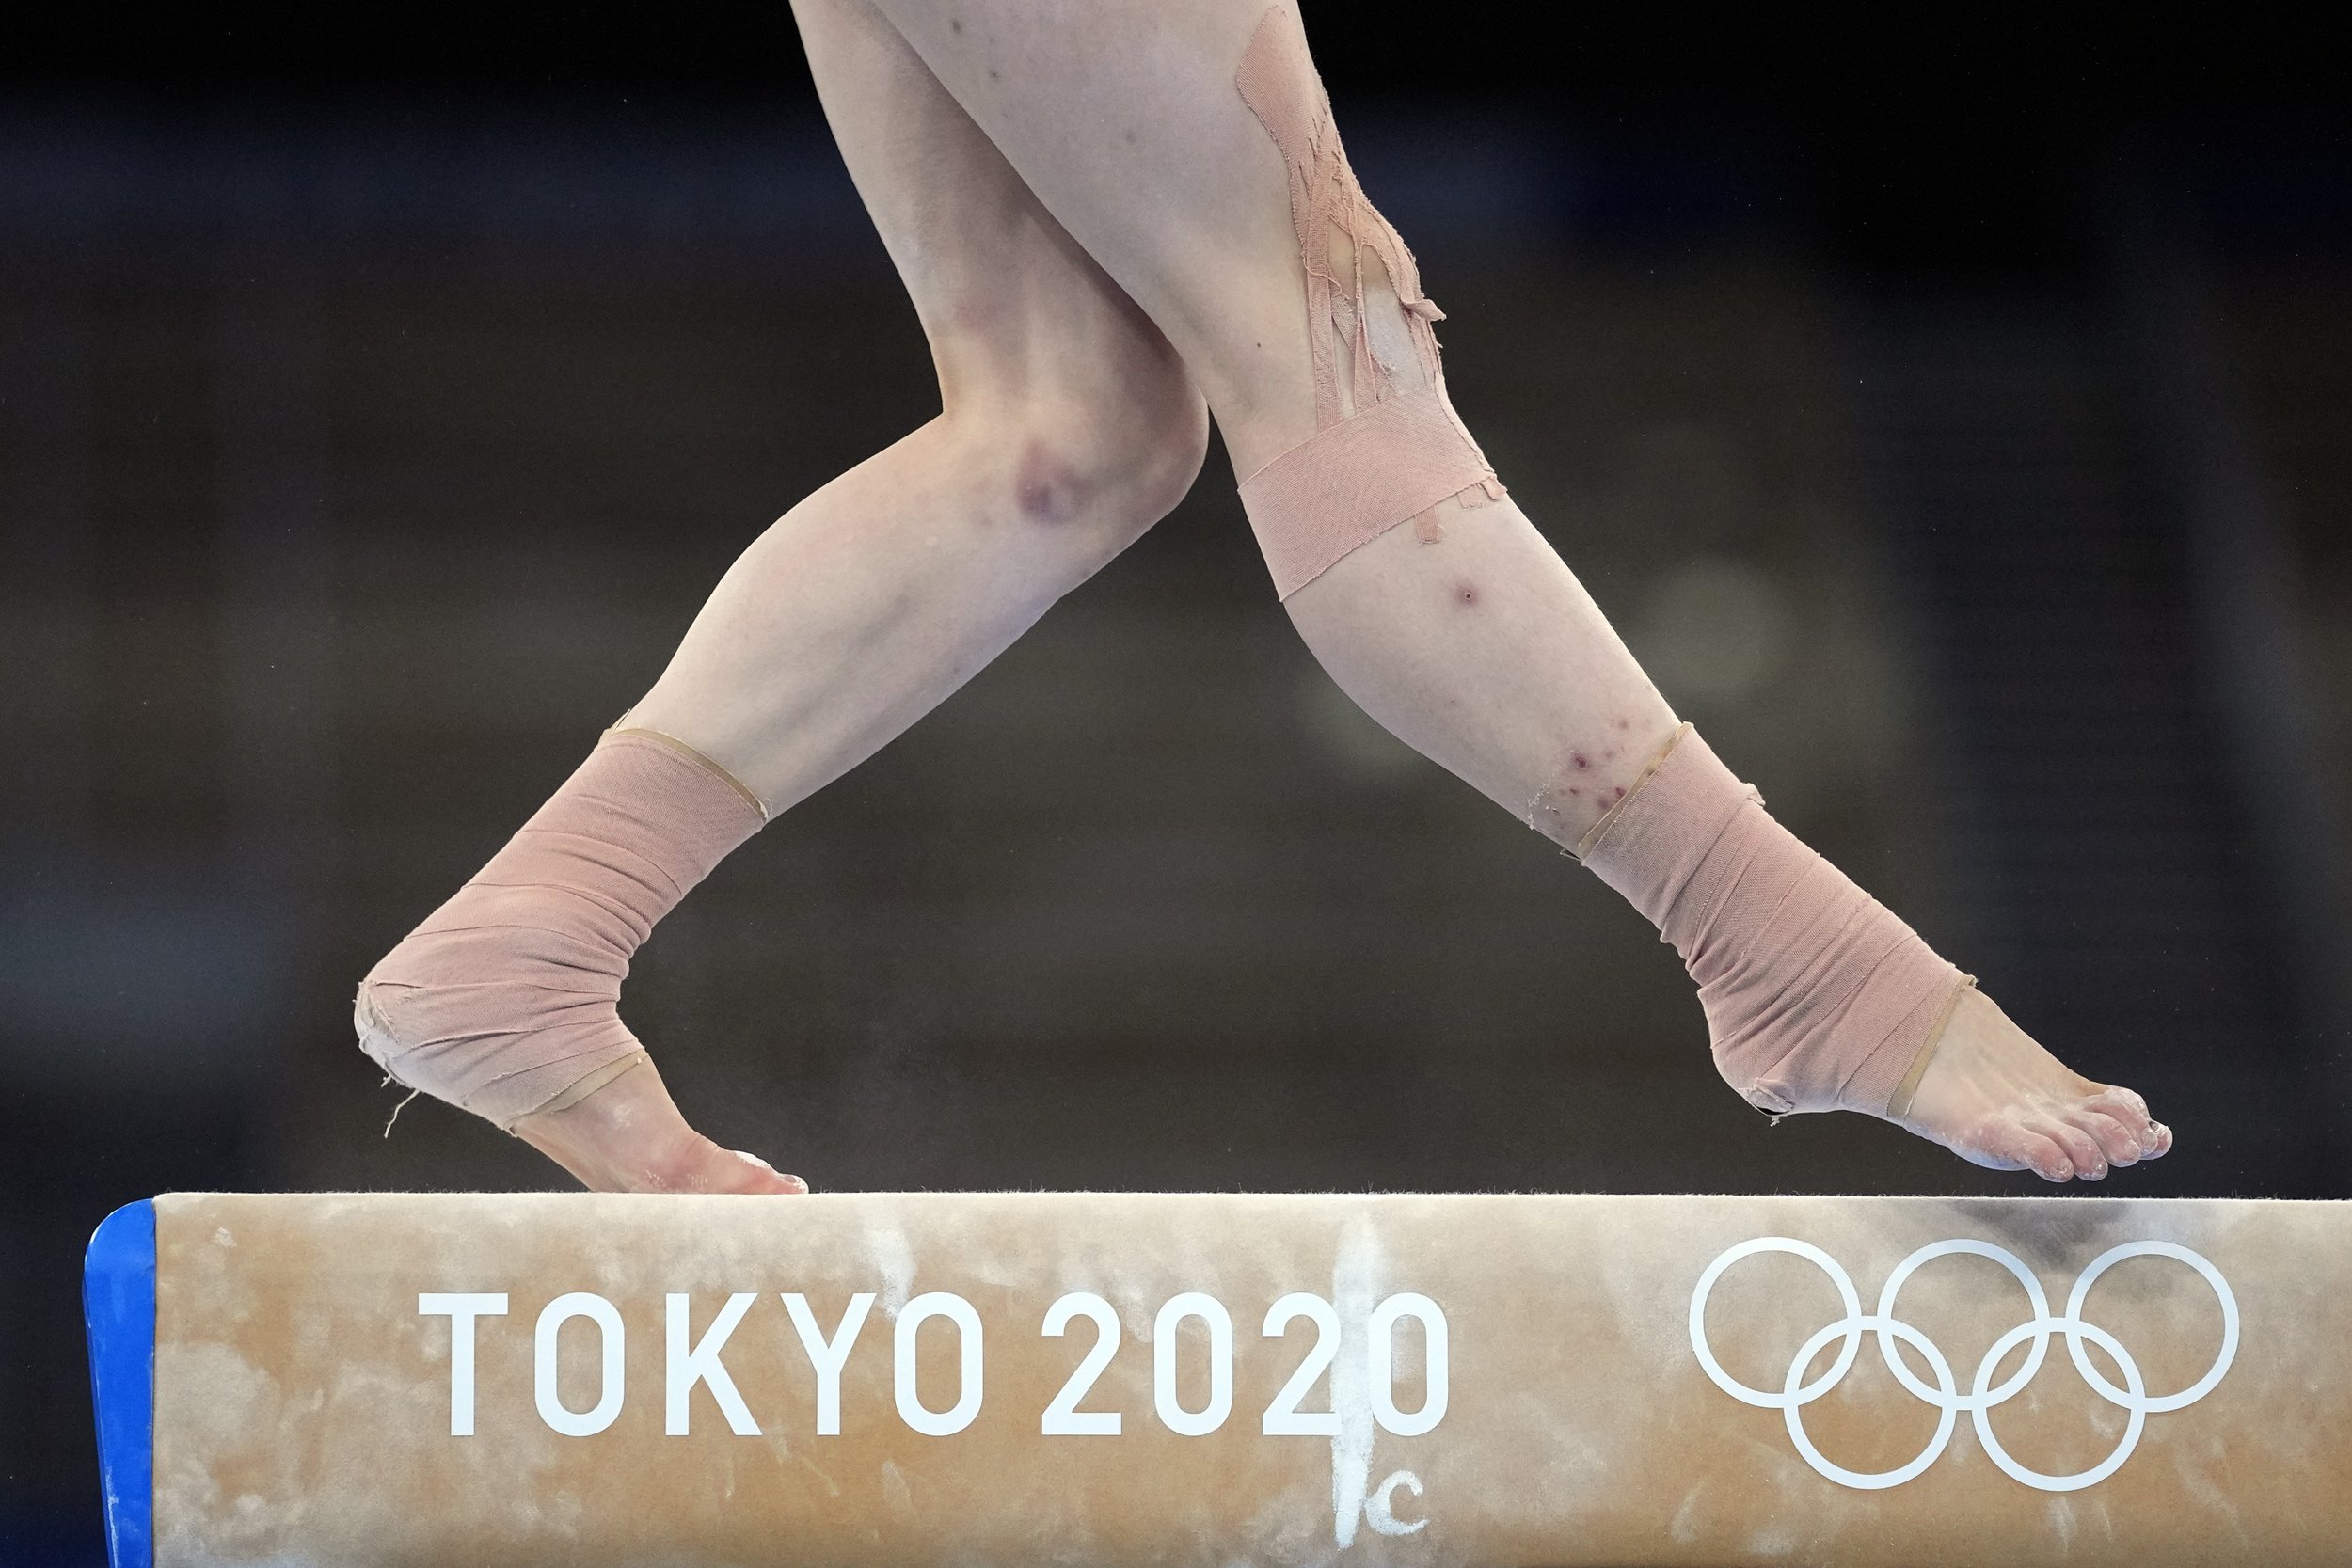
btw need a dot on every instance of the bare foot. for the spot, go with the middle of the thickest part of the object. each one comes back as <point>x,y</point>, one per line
<point>1995,1098</point>
<point>629,1137</point>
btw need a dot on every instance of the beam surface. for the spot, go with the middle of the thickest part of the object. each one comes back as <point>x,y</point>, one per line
<point>1087,1378</point>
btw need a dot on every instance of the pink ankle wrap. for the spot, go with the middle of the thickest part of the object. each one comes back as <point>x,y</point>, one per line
<point>506,999</point>
<point>1817,997</point>
<point>1388,446</point>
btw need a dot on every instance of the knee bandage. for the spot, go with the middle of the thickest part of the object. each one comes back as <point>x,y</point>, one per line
<point>1817,997</point>
<point>506,999</point>
<point>1388,446</point>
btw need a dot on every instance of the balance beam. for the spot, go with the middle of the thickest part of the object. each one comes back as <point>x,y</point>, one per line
<point>966,1378</point>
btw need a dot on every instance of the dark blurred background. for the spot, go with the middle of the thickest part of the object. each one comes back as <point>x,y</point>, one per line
<point>1952,412</point>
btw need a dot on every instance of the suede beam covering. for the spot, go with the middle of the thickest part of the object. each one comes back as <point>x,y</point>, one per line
<point>1221,1379</point>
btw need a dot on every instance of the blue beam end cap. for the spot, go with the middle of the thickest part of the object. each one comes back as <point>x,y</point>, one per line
<point>118,1305</point>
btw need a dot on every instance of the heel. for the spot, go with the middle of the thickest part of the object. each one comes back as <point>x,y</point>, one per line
<point>375,1033</point>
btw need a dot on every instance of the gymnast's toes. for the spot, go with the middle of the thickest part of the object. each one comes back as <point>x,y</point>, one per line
<point>704,1167</point>
<point>2019,1148</point>
<point>629,1136</point>
<point>769,1179</point>
<point>2129,1110</point>
<point>2083,1154</point>
<point>1993,1096</point>
<point>2123,1135</point>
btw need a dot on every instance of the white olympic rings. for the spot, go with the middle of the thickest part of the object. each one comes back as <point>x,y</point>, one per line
<point>1944,1394</point>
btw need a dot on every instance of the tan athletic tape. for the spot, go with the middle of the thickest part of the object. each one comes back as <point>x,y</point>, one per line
<point>1388,445</point>
<point>1276,78</point>
<point>1511,1380</point>
<point>1817,996</point>
<point>504,1002</point>
<point>1350,483</point>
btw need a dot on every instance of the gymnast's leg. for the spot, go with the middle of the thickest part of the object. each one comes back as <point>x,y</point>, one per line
<point>1188,148</point>
<point>1067,427</point>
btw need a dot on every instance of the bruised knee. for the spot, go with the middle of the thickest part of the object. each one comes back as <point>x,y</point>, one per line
<point>1092,477</point>
<point>1067,476</point>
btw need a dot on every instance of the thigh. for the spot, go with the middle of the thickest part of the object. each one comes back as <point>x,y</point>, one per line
<point>1124,119</point>
<point>1015,309</point>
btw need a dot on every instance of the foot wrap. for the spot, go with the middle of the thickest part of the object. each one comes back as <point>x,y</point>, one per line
<point>1388,446</point>
<point>1817,997</point>
<point>506,999</point>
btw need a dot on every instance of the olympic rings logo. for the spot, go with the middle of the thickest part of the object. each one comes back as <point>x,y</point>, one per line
<point>1945,1395</point>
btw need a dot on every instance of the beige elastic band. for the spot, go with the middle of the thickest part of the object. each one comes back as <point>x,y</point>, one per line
<point>1899,1107</point>
<point>1388,446</point>
<point>1535,807</point>
<point>594,1082</point>
<point>682,749</point>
